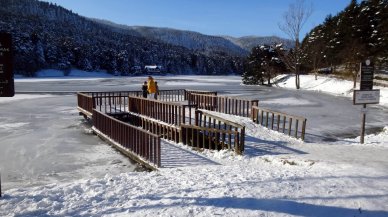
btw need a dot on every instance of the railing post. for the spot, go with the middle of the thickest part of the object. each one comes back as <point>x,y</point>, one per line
<point>243,139</point>
<point>289,126</point>
<point>303,129</point>
<point>183,110</point>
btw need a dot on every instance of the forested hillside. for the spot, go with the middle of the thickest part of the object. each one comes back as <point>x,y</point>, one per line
<point>192,40</point>
<point>249,42</point>
<point>359,31</point>
<point>49,36</point>
<point>237,46</point>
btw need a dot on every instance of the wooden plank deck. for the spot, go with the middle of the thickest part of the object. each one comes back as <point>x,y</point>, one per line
<point>174,155</point>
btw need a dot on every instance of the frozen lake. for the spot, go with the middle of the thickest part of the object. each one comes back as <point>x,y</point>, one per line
<point>43,139</point>
<point>328,117</point>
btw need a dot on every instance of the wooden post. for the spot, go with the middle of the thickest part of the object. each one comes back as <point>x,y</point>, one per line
<point>363,126</point>
<point>303,128</point>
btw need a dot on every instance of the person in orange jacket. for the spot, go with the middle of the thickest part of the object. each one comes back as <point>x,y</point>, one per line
<point>151,87</point>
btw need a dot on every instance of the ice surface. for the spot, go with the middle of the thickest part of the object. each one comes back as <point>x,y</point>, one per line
<point>44,140</point>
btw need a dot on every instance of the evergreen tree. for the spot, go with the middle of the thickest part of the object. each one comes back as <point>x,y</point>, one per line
<point>48,36</point>
<point>262,63</point>
<point>359,31</point>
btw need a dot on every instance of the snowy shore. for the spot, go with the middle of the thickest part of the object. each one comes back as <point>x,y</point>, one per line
<point>328,85</point>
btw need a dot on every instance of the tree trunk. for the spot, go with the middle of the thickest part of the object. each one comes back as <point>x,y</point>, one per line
<point>297,64</point>
<point>297,78</point>
<point>354,79</point>
<point>269,78</point>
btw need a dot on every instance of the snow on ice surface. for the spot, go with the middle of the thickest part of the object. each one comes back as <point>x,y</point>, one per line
<point>277,176</point>
<point>288,101</point>
<point>12,125</point>
<point>23,97</point>
<point>191,83</point>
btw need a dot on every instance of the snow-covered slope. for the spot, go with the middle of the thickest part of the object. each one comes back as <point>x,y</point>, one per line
<point>327,85</point>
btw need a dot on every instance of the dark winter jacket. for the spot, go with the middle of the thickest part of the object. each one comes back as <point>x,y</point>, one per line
<point>144,89</point>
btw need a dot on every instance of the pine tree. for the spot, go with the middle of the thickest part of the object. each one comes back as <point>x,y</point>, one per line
<point>262,63</point>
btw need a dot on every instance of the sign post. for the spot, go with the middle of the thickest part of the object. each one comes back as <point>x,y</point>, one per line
<point>366,94</point>
<point>7,87</point>
<point>363,120</point>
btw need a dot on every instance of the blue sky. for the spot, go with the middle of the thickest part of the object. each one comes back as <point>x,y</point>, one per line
<point>213,17</point>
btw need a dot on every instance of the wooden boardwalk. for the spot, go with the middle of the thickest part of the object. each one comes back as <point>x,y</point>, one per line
<point>173,155</point>
<point>164,133</point>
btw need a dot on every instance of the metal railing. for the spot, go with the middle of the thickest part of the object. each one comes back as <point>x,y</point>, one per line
<point>281,122</point>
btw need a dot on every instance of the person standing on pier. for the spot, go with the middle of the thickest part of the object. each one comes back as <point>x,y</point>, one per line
<point>157,90</point>
<point>144,88</point>
<point>151,88</point>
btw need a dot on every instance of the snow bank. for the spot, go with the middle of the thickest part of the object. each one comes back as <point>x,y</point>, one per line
<point>328,85</point>
<point>379,139</point>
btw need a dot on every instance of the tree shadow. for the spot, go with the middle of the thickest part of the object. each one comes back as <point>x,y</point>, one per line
<point>283,206</point>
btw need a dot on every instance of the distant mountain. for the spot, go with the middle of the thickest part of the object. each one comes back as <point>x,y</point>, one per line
<point>197,41</point>
<point>249,42</point>
<point>49,36</point>
<point>189,39</point>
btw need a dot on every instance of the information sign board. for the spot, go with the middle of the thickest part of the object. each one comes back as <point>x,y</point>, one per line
<point>367,73</point>
<point>366,97</point>
<point>7,87</point>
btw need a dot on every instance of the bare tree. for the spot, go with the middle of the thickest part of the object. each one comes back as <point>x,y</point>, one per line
<point>293,21</point>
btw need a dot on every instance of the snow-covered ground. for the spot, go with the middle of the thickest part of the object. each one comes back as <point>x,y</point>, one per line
<point>276,176</point>
<point>328,85</point>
